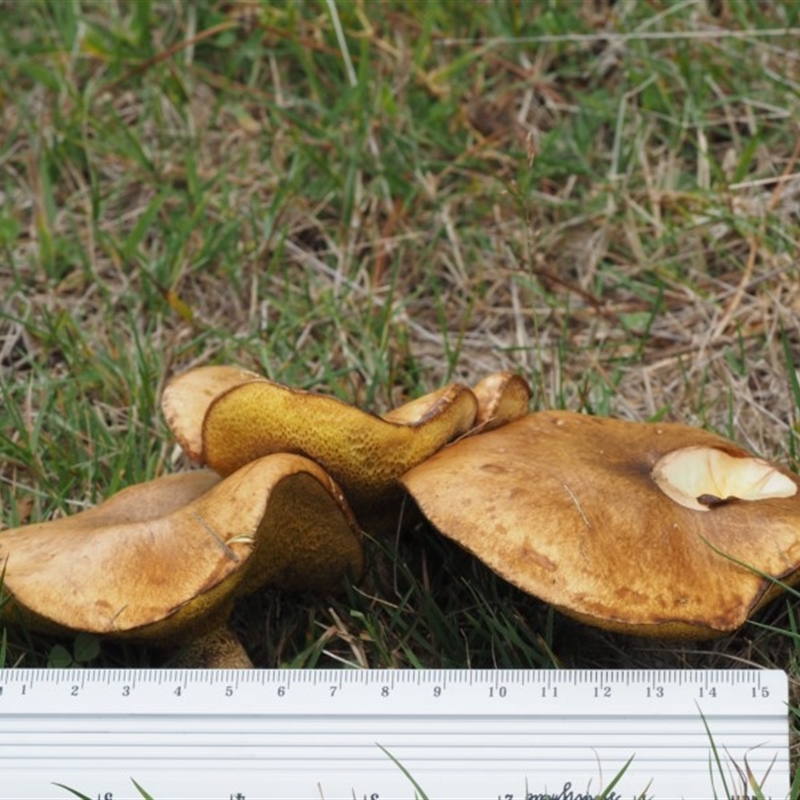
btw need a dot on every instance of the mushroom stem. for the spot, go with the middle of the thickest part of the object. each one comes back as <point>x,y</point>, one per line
<point>217,649</point>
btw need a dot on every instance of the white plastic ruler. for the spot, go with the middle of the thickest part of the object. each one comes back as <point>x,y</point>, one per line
<point>344,734</point>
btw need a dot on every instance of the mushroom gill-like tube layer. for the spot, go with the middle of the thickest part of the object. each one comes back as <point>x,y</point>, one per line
<point>164,560</point>
<point>225,417</point>
<point>565,506</point>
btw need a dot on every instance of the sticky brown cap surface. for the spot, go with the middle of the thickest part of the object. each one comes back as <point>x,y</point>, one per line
<point>170,554</point>
<point>566,507</point>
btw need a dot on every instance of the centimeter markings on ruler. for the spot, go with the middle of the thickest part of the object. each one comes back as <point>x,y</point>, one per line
<point>338,734</point>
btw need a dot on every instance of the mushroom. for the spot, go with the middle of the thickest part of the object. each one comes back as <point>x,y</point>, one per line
<point>651,529</point>
<point>502,397</point>
<point>163,561</point>
<point>224,417</point>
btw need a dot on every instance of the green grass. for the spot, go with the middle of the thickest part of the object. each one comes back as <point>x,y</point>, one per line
<point>444,191</point>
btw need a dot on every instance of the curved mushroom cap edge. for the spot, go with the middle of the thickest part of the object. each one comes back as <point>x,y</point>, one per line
<point>166,558</point>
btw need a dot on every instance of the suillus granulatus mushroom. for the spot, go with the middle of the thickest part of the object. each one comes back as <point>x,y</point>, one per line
<point>502,397</point>
<point>163,561</point>
<point>224,417</point>
<point>652,529</point>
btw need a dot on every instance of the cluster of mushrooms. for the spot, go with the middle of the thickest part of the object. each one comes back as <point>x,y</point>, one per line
<point>647,528</point>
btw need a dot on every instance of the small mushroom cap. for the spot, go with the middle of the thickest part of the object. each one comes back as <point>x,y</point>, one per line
<point>502,398</point>
<point>186,400</point>
<point>225,417</point>
<point>418,412</point>
<point>567,507</point>
<point>167,557</point>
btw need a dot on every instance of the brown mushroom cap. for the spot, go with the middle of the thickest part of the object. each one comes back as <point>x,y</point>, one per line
<point>502,398</point>
<point>567,507</point>
<point>166,558</point>
<point>225,417</point>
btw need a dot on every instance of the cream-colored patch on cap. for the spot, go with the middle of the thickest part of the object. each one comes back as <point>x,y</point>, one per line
<point>701,478</point>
